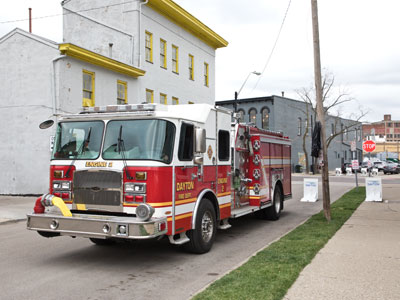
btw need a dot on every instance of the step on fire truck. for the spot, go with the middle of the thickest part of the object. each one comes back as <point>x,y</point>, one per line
<point>147,171</point>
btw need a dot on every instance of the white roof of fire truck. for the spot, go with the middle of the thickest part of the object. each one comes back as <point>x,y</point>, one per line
<point>194,112</point>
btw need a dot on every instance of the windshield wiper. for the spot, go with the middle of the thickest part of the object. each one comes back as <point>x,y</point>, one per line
<point>81,150</point>
<point>121,150</point>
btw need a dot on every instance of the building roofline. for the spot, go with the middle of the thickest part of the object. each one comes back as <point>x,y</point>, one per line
<point>29,35</point>
<point>99,60</point>
<point>184,19</point>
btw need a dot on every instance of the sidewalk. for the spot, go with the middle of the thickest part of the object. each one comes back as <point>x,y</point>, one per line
<point>15,208</point>
<point>362,260</point>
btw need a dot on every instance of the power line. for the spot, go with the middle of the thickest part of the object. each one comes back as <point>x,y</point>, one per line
<point>67,13</point>
<point>273,48</point>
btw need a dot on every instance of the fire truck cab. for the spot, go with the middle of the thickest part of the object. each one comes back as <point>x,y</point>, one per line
<point>147,171</point>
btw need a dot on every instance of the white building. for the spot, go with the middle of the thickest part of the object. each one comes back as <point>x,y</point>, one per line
<point>113,52</point>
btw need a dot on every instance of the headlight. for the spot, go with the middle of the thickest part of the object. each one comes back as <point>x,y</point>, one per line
<point>144,212</point>
<point>137,188</point>
<point>62,185</point>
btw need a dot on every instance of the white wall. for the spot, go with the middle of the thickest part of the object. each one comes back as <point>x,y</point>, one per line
<point>25,101</point>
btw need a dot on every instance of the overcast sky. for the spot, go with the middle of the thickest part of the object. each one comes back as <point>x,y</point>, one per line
<point>360,45</point>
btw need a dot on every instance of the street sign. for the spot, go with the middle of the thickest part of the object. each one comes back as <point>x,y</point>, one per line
<point>369,146</point>
<point>355,165</point>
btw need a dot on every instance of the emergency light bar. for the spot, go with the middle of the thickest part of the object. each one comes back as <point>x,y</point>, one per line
<point>150,108</point>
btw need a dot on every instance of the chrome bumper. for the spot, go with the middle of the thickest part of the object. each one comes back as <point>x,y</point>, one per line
<point>93,226</point>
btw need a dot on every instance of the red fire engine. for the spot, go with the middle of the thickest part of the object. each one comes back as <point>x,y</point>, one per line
<point>146,171</point>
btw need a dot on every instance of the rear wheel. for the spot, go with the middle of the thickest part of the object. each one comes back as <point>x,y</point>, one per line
<point>274,211</point>
<point>203,236</point>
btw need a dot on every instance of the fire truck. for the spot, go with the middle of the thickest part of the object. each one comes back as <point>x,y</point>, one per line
<point>146,171</point>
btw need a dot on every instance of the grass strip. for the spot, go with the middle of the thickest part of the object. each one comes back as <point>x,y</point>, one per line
<point>270,273</point>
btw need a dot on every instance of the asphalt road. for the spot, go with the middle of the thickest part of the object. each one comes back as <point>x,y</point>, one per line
<point>33,267</point>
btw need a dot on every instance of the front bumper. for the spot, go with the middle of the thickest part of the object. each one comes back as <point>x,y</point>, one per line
<point>93,226</point>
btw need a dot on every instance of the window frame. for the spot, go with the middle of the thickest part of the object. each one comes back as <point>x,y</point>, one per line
<point>150,47</point>
<point>191,67</point>
<point>223,149</point>
<point>262,117</point>
<point>88,102</point>
<point>152,95</point>
<point>125,85</point>
<point>299,122</point>
<point>163,54</point>
<point>255,115</point>
<point>183,143</point>
<point>206,74</point>
<point>175,51</point>
<point>164,96</point>
<point>175,99</point>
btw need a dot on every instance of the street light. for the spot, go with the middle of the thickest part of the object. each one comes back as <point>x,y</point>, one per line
<point>237,93</point>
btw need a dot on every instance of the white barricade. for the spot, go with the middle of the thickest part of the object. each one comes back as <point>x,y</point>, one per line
<point>338,172</point>
<point>310,190</point>
<point>373,187</point>
<point>364,171</point>
<point>349,172</point>
<point>374,172</point>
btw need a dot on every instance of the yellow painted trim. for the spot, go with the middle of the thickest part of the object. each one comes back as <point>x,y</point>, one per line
<point>125,84</point>
<point>225,205</point>
<point>151,45</point>
<point>176,100</point>
<point>181,17</point>
<point>224,194</point>
<point>188,215</point>
<point>99,60</point>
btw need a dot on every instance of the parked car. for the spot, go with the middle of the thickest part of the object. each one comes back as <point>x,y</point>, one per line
<point>348,165</point>
<point>379,165</point>
<point>391,168</point>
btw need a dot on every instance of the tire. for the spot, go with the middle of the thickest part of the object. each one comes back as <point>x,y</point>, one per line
<point>273,212</point>
<point>47,234</point>
<point>203,236</point>
<point>102,242</point>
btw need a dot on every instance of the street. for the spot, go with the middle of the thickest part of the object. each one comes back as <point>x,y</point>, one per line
<point>33,267</point>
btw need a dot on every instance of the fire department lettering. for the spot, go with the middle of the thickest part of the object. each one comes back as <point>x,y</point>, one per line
<point>96,164</point>
<point>184,186</point>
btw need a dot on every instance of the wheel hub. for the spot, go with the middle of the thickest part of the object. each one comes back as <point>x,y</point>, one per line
<point>207,227</point>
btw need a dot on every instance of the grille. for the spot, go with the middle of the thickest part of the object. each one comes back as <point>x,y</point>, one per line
<point>97,187</point>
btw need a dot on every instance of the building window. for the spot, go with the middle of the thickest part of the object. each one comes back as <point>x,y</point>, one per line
<point>346,134</point>
<point>253,116</point>
<point>149,96</point>
<point>389,124</point>
<point>397,124</point>
<point>163,98</point>
<point>191,67</point>
<point>149,46</point>
<point>122,92</point>
<point>341,131</point>
<point>175,101</point>
<point>88,88</point>
<point>332,129</point>
<point>175,59</point>
<point>265,118</point>
<point>206,74</point>
<point>241,115</point>
<point>299,126</point>
<point>163,54</point>
<point>190,102</point>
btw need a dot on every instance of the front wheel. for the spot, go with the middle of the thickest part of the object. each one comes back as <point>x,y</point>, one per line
<point>102,242</point>
<point>203,236</point>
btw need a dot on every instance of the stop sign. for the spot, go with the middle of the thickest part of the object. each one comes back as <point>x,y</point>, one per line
<point>369,146</point>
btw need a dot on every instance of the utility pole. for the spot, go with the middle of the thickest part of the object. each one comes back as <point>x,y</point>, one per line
<point>320,112</point>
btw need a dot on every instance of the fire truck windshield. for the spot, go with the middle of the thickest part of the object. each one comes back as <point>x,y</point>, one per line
<point>78,140</point>
<point>140,140</point>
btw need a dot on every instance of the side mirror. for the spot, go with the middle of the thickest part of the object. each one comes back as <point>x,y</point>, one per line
<point>199,140</point>
<point>46,124</point>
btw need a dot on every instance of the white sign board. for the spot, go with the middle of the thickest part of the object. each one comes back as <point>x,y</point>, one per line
<point>373,187</point>
<point>310,190</point>
<point>355,165</point>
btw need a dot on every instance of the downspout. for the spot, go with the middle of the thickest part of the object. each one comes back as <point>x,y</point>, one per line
<point>140,30</point>
<point>54,83</point>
